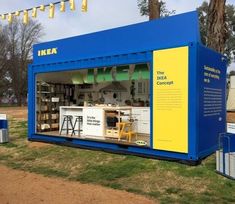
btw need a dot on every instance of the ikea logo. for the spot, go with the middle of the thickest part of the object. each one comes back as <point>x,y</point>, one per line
<point>45,52</point>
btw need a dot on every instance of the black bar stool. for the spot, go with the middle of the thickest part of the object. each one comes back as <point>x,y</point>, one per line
<point>68,120</point>
<point>79,120</point>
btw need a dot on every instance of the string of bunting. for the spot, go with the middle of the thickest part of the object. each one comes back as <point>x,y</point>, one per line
<point>34,11</point>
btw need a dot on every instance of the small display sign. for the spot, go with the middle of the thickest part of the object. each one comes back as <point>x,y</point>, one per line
<point>231,128</point>
<point>3,116</point>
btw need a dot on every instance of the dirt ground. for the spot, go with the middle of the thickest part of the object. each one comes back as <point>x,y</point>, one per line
<point>231,117</point>
<point>19,187</point>
<point>19,113</point>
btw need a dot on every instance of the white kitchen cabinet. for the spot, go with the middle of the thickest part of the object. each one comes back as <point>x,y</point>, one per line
<point>141,116</point>
<point>144,127</point>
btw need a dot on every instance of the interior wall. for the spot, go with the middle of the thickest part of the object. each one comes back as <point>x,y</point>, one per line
<point>108,96</point>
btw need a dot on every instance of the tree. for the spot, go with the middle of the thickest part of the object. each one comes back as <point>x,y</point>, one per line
<point>3,63</point>
<point>202,13</point>
<point>229,46</point>
<point>20,39</point>
<point>153,9</point>
<point>216,30</point>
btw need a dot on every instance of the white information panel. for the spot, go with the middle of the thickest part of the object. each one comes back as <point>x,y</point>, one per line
<point>231,128</point>
<point>93,122</point>
<point>3,116</point>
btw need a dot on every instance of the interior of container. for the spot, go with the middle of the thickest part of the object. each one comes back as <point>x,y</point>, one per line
<point>110,104</point>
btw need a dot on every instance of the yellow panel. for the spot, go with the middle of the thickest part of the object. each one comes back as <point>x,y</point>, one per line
<point>170,99</point>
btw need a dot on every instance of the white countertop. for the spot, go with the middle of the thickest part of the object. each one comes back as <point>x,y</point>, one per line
<point>102,107</point>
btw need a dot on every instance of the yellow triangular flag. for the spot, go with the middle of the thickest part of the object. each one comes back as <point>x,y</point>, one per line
<point>42,8</point>
<point>84,5</point>
<point>72,5</point>
<point>62,6</point>
<point>17,13</point>
<point>9,18</point>
<point>34,12</point>
<point>3,16</point>
<point>26,17</point>
<point>52,11</point>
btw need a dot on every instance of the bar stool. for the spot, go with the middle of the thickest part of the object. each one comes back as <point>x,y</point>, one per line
<point>68,120</point>
<point>79,120</point>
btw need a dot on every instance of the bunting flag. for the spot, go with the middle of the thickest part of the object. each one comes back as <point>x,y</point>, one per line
<point>34,11</point>
<point>72,5</point>
<point>3,16</point>
<point>84,5</point>
<point>62,6</point>
<point>26,17</point>
<point>17,13</point>
<point>9,18</point>
<point>52,11</point>
<point>42,8</point>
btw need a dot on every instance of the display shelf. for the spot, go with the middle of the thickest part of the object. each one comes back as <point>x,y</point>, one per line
<point>45,104</point>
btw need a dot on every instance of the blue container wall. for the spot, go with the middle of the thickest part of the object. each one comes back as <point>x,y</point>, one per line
<point>134,44</point>
<point>201,141</point>
<point>142,37</point>
<point>212,99</point>
<point>90,63</point>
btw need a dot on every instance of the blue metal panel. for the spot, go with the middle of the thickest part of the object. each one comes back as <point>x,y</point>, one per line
<point>228,143</point>
<point>31,98</point>
<point>210,126</point>
<point>156,34</point>
<point>132,58</point>
<point>151,101</point>
<point>110,146</point>
<point>192,103</point>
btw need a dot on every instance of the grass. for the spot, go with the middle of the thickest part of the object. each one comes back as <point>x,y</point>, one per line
<point>7,105</point>
<point>163,181</point>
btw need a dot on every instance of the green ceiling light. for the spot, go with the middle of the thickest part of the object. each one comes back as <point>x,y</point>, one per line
<point>108,74</point>
<point>100,75</point>
<point>141,72</point>
<point>90,78</point>
<point>77,78</point>
<point>104,75</point>
<point>122,73</point>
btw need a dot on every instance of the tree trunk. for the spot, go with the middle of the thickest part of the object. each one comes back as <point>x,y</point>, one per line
<point>154,9</point>
<point>217,32</point>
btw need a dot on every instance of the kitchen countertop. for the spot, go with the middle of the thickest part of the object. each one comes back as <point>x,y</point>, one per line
<point>101,107</point>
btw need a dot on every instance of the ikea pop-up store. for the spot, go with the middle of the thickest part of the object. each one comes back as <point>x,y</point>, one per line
<point>149,89</point>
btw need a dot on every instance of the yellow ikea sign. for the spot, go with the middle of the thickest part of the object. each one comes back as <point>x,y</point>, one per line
<point>45,52</point>
<point>170,99</point>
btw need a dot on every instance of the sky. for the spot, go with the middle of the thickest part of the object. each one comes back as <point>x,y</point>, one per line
<point>101,15</point>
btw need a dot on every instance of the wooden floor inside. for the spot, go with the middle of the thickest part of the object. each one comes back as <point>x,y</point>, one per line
<point>140,137</point>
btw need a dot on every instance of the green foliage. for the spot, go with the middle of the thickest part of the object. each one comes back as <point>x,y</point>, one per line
<point>16,42</point>
<point>230,21</point>
<point>230,44</point>
<point>144,8</point>
<point>8,145</point>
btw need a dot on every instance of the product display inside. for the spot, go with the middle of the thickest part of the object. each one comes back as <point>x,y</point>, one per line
<point>111,104</point>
